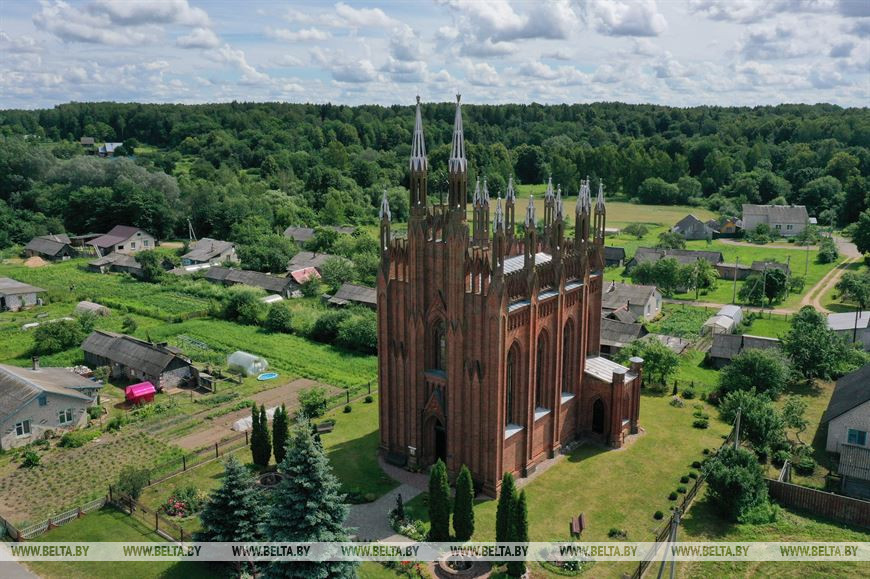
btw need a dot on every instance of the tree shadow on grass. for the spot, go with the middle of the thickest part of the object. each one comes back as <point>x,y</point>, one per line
<point>355,462</point>
<point>704,520</point>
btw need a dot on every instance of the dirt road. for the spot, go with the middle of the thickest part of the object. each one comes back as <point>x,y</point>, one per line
<point>221,427</point>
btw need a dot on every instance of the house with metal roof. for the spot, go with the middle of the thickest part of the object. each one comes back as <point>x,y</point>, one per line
<point>283,286</point>
<point>848,412</point>
<point>137,360</point>
<point>305,259</point>
<point>123,239</point>
<point>350,293</point>
<point>613,256</point>
<point>690,227</point>
<point>108,149</point>
<point>15,295</point>
<point>208,250</point>
<point>616,335</point>
<point>304,234</point>
<point>51,247</point>
<point>785,220</point>
<point>726,347</point>
<point>854,470</point>
<point>644,301</point>
<point>684,256</point>
<point>36,400</point>
<point>853,326</point>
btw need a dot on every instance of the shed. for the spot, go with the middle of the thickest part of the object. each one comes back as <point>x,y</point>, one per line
<point>15,295</point>
<point>140,393</point>
<point>84,307</point>
<point>614,255</point>
<point>728,346</point>
<point>349,293</point>
<point>248,364</point>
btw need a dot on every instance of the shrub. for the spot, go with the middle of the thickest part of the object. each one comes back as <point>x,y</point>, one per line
<point>638,230</point>
<point>325,329</point>
<point>31,459</point>
<point>672,496</point>
<point>762,514</point>
<point>697,463</point>
<point>779,457</point>
<point>78,438</point>
<point>701,423</point>
<point>684,479</point>
<point>804,464</point>
<point>115,423</point>
<point>347,409</point>
<point>95,412</point>
<point>688,393</point>
<point>693,475</point>
<point>184,501</point>
<point>658,515</point>
<point>243,305</point>
<point>53,337</point>
<point>279,319</point>
<point>827,251</point>
<point>676,402</point>
<point>129,325</point>
<point>614,533</point>
<point>359,332</point>
<point>131,481</point>
<point>369,399</point>
<point>681,489</point>
<point>313,401</point>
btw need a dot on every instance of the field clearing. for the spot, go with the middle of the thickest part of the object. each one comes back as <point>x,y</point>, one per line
<point>67,477</point>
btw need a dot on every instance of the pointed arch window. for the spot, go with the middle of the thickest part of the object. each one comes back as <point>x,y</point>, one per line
<point>541,372</point>
<point>568,358</point>
<point>439,347</point>
<point>510,380</point>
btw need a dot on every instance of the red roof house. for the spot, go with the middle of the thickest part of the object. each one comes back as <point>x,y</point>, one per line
<point>140,393</point>
<point>300,276</point>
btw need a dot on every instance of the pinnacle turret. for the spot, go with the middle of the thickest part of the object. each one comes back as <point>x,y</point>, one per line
<point>418,146</point>
<point>384,212</point>
<point>457,162</point>
<point>530,212</point>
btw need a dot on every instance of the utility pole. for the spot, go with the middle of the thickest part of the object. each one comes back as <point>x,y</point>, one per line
<point>734,293</point>
<point>737,429</point>
<point>807,264</point>
<point>787,273</point>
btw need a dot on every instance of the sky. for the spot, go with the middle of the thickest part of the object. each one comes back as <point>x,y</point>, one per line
<point>672,52</point>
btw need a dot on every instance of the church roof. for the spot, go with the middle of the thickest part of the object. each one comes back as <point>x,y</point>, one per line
<point>603,369</point>
<point>515,263</point>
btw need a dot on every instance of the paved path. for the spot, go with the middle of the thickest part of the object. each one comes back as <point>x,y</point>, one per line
<point>14,569</point>
<point>371,519</point>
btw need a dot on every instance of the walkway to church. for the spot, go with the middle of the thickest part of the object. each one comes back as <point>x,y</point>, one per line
<point>371,520</point>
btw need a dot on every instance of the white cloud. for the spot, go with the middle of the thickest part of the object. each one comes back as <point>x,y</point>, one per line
<point>237,59</point>
<point>140,12</point>
<point>363,17</point>
<point>198,38</point>
<point>626,17</point>
<point>18,44</point>
<point>480,73</point>
<point>288,60</point>
<point>780,40</point>
<point>303,35</point>
<point>73,25</point>
<point>557,55</point>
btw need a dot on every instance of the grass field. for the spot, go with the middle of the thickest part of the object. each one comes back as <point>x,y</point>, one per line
<point>770,326</point>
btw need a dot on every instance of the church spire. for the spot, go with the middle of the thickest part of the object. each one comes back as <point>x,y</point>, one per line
<point>498,220</point>
<point>599,204</point>
<point>475,200</point>
<point>549,205</point>
<point>530,213</point>
<point>385,216</point>
<point>419,166</point>
<point>384,212</point>
<point>559,209</point>
<point>510,202</point>
<point>457,165</point>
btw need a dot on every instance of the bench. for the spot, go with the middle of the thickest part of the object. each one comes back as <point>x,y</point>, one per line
<point>578,524</point>
<point>325,426</point>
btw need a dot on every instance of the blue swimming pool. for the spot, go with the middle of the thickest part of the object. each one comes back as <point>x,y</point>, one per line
<point>267,376</point>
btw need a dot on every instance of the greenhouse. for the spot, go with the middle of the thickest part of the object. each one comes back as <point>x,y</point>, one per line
<point>247,364</point>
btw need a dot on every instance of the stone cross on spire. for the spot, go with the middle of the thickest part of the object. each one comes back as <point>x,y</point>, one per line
<point>457,162</point>
<point>418,146</point>
<point>583,197</point>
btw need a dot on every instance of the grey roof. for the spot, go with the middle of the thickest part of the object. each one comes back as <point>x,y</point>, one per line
<point>616,333</point>
<point>687,222</point>
<point>846,321</point>
<point>18,386</point>
<point>305,259</point>
<point>712,224</point>
<point>617,295</point>
<point>614,253</point>
<point>622,315</point>
<point>359,294</point>
<point>303,234</point>
<point>778,213</point>
<point>86,140</point>
<point>603,369</point>
<point>116,259</point>
<point>48,244</point>
<point>206,249</point>
<point>854,461</point>
<point>515,263</point>
<point>728,346</point>
<point>131,352</point>
<point>11,287</point>
<point>762,265</point>
<point>730,311</point>
<point>684,256</point>
<point>118,234</point>
<point>270,283</point>
<point>851,390</point>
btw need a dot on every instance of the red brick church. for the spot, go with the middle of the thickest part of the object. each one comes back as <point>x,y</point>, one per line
<point>488,339</point>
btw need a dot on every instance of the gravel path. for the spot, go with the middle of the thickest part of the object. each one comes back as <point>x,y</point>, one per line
<point>370,520</point>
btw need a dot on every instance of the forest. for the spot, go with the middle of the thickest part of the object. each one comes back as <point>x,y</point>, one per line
<point>243,170</point>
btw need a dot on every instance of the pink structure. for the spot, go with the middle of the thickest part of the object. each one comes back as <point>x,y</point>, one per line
<point>140,393</point>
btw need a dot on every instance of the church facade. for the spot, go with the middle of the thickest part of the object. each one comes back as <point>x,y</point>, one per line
<point>488,333</point>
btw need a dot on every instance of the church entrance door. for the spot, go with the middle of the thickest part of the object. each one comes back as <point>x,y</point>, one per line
<point>598,417</point>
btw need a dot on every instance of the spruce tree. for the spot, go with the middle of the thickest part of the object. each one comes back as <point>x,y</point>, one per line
<point>307,506</point>
<point>261,444</point>
<point>519,534</point>
<point>505,509</point>
<point>463,506</point>
<point>439,503</point>
<point>235,510</point>
<point>280,433</point>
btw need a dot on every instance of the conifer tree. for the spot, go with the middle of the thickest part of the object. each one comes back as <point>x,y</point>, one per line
<point>439,503</point>
<point>235,510</point>
<point>307,506</point>
<point>261,444</point>
<point>280,433</point>
<point>463,505</point>
<point>519,533</point>
<point>505,509</point>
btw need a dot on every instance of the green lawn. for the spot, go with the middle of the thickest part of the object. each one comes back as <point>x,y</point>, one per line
<point>770,326</point>
<point>694,371</point>
<point>680,320</point>
<point>111,525</point>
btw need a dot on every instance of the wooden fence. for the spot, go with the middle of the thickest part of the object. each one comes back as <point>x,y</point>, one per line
<point>828,505</point>
<point>58,520</point>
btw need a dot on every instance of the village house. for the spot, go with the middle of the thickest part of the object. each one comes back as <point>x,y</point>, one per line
<point>302,235</point>
<point>684,256</point>
<point>349,293</point>
<point>208,250</point>
<point>15,295</point>
<point>305,259</point>
<point>726,347</point>
<point>854,327</point>
<point>51,247</point>
<point>848,414</point>
<point>615,335</point>
<point>614,256</point>
<point>730,227</point>
<point>690,227</point>
<point>36,401</point>
<point>123,239</point>
<point>731,271</point>
<point>301,276</point>
<point>644,301</point>
<point>87,144</point>
<point>854,470</point>
<point>108,149</point>
<point>785,220</point>
<point>283,286</point>
<point>137,360</point>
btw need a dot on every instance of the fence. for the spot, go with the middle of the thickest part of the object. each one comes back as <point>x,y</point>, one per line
<point>664,532</point>
<point>53,521</point>
<point>829,505</point>
<point>169,530</point>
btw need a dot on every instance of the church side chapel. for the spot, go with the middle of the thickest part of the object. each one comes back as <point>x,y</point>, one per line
<point>488,338</point>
